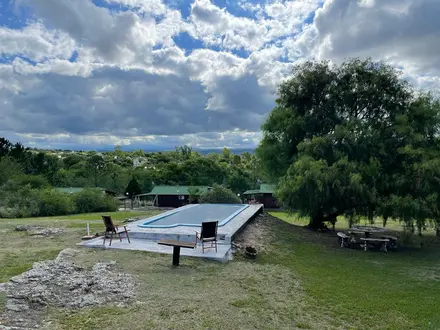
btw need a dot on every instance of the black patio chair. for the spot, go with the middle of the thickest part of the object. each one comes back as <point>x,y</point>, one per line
<point>112,229</point>
<point>208,234</point>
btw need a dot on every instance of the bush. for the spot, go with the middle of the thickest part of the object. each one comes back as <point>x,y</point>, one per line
<point>93,200</point>
<point>219,195</point>
<point>19,202</point>
<point>52,202</point>
<point>34,181</point>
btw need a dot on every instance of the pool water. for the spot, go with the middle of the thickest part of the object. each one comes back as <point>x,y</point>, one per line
<point>193,215</point>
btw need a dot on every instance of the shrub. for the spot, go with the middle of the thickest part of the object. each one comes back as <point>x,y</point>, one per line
<point>19,202</point>
<point>53,202</point>
<point>219,195</point>
<point>93,200</point>
<point>34,181</point>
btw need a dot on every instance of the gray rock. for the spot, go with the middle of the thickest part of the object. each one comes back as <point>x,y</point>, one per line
<point>40,231</point>
<point>22,228</point>
<point>60,283</point>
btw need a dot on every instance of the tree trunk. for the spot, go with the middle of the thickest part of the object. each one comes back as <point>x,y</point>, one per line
<point>419,229</point>
<point>350,221</point>
<point>317,222</point>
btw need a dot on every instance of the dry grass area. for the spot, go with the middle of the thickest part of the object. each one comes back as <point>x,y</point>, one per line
<point>300,280</point>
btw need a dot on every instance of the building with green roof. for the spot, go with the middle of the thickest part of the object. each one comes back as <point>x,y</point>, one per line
<point>174,196</point>
<point>264,195</point>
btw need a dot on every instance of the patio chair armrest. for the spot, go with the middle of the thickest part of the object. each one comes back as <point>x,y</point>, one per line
<point>197,234</point>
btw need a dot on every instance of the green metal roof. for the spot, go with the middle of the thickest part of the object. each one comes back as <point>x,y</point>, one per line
<point>252,192</point>
<point>176,190</point>
<point>265,188</point>
<point>73,190</point>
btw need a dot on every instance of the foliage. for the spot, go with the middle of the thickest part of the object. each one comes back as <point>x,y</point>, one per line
<point>353,140</point>
<point>34,181</point>
<point>19,201</point>
<point>52,202</point>
<point>194,194</point>
<point>133,188</point>
<point>9,169</point>
<point>95,165</point>
<point>93,200</point>
<point>219,195</point>
<point>113,170</point>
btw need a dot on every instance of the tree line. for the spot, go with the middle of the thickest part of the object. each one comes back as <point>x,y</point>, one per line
<point>31,174</point>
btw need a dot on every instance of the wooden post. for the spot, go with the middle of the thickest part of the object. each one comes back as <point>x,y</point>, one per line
<point>176,255</point>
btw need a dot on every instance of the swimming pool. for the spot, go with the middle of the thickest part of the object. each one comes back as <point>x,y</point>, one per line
<point>193,215</point>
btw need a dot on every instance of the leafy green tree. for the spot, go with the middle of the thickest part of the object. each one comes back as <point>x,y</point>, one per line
<point>132,190</point>
<point>42,164</point>
<point>53,202</point>
<point>185,152</point>
<point>227,154</point>
<point>194,194</point>
<point>144,178</point>
<point>239,180</point>
<point>96,167</point>
<point>5,147</point>
<point>202,171</point>
<point>338,141</point>
<point>219,195</point>
<point>94,200</point>
<point>71,160</point>
<point>33,181</point>
<point>9,169</point>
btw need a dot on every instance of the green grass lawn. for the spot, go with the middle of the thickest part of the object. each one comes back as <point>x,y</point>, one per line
<point>395,290</point>
<point>300,280</point>
<point>342,222</point>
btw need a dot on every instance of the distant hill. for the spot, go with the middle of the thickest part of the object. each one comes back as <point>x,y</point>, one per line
<point>203,151</point>
<point>219,150</point>
<point>200,150</point>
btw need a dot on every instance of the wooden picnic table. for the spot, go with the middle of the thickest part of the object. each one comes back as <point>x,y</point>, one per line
<point>382,241</point>
<point>176,248</point>
<point>367,230</point>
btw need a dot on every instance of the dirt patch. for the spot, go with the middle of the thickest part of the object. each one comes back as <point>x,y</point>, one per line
<point>60,283</point>
<point>255,235</point>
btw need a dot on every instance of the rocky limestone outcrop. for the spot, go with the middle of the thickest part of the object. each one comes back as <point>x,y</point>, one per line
<point>62,284</point>
<point>40,231</point>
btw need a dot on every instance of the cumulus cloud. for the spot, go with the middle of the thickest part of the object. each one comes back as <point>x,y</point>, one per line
<point>35,42</point>
<point>402,31</point>
<point>86,73</point>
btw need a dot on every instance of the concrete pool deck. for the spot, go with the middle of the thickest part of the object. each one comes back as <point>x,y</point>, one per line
<point>146,239</point>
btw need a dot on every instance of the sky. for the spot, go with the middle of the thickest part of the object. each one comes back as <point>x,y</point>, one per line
<point>92,74</point>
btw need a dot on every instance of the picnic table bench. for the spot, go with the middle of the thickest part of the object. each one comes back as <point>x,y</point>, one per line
<point>393,241</point>
<point>383,243</point>
<point>344,239</point>
<point>176,248</point>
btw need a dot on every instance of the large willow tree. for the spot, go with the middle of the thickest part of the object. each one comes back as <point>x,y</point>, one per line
<point>353,140</point>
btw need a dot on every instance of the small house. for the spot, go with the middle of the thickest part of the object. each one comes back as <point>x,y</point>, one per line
<point>263,195</point>
<point>175,196</point>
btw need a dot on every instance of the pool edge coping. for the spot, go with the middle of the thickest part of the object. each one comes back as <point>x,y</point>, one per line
<point>145,225</point>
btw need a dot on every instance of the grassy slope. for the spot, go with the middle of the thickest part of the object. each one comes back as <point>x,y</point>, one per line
<point>395,290</point>
<point>302,280</point>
